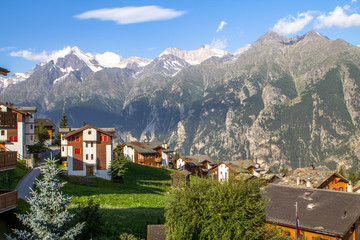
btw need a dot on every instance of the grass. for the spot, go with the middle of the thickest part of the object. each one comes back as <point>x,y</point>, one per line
<point>127,207</point>
<point>10,179</point>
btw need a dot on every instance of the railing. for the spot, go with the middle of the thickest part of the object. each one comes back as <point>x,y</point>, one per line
<point>8,200</point>
<point>8,120</point>
<point>8,160</point>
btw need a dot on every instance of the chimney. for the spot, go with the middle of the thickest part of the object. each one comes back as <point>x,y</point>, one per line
<point>298,181</point>
<point>350,187</point>
<point>308,183</point>
<point>84,123</point>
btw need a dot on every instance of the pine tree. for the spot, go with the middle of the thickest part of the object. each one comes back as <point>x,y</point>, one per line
<point>64,123</point>
<point>118,168</point>
<point>41,134</point>
<point>48,217</point>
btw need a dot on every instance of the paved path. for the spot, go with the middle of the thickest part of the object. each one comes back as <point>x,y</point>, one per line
<point>27,182</point>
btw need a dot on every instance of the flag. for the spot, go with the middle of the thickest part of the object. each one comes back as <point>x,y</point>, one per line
<point>297,223</point>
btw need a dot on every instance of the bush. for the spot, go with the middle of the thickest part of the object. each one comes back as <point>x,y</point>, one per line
<point>207,209</point>
<point>127,236</point>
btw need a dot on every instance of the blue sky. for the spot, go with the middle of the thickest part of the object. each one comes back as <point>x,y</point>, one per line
<point>33,30</point>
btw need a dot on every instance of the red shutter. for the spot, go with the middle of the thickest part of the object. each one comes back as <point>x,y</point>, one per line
<point>11,139</point>
<point>62,148</point>
<point>77,150</point>
<point>15,139</point>
<point>105,139</point>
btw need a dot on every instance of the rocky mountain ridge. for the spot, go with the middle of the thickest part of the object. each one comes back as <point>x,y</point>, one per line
<point>281,102</point>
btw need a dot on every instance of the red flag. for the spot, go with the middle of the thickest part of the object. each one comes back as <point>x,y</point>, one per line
<point>297,223</point>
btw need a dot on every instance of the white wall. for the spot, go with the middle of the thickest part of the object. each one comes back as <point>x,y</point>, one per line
<point>29,130</point>
<point>89,150</point>
<point>165,159</point>
<point>19,145</point>
<point>223,172</point>
<point>4,137</point>
<point>64,143</point>
<point>3,108</point>
<point>90,135</point>
<point>180,164</point>
<point>129,153</point>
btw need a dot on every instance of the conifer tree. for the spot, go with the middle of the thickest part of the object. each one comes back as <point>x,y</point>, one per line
<point>48,217</point>
<point>64,123</point>
<point>41,134</point>
<point>118,169</point>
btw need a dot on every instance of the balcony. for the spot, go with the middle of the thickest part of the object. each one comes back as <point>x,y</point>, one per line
<point>8,120</point>
<point>8,160</point>
<point>8,200</point>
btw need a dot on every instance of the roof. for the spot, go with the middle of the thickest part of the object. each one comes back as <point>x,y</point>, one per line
<point>317,176</point>
<point>4,71</point>
<point>14,108</point>
<point>87,127</point>
<point>28,109</point>
<point>197,160</point>
<point>239,165</point>
<point>156,232</point>
<point>147,147</point>
<point>46,122</point>
<point>332,212</point>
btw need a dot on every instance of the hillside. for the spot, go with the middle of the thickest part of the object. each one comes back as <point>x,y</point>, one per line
<point>280,101</point>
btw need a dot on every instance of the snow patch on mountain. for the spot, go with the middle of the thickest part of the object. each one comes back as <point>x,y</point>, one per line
<point>196,56</point>
<point>108,59</point>
<point>242,50</point>
<point>61,78</point>
<point>142,62</point>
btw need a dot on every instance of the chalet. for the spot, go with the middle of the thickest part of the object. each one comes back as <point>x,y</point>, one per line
<point>322,214</point>
<point>48,124</point>
<point>21,133</point>
<point>197,164</point>
<point>316,177</point>
<point>89,150</point>
<point>148,153</point>
<point>223,171</point>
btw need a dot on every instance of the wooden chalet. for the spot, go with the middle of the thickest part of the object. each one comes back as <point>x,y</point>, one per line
<point>89,150</point>
<point>224,170</point>
<point>197,164</point>
<point>48,124</point>
<point>8,159</point>
<point>323,215</point>
<point>4,71</point>
<point>148,153</point>
<point>316,177</point>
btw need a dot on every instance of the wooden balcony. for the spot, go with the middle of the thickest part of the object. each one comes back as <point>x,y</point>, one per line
<point>8,200</point>
<point>8,160</point>
<point>8,120</point>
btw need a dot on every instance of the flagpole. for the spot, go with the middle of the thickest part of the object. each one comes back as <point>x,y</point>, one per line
<point>296,225</point>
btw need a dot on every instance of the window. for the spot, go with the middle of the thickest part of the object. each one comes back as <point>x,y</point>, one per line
<point>73,138</point>
<point>77,151</point>
<point>31,126</point>
<point>92,156</point>
<point>77,139</point>
<point>341,189</point>
<point>86,145</point>
<point>92,144</point>
<point>87,156</point>
<point>2,132</point>
<point>31,137</point>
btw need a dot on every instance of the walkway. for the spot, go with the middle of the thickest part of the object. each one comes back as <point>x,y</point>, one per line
<point>27,182</point>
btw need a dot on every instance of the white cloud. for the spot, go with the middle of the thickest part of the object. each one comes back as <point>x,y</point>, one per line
<point>291,24</point>
<point>127,15</point>
<point>6,48</point>
<point>221,25</point>
<point>218,43</point>
<point>338,18</point>
<point>44,56</point>
<point>353,1</point>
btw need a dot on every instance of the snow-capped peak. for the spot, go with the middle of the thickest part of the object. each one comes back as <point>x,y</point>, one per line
<point>242,50</point>
<point>196,56</point>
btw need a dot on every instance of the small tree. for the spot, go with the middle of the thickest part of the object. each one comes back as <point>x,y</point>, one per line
<point>48,216</point>
<point>62,124</point>
<point>351,176</point>
<point>207,209</point>
<point>118,168</point>
<point>41,134</point>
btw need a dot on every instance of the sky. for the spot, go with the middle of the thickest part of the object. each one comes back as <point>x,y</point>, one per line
<point>33,31</point>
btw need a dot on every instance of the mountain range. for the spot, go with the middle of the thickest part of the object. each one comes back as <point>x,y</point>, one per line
<point>279,101</point>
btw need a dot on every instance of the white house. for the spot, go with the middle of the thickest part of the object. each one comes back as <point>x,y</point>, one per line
<point>89,150</point>
<point>19,138</point>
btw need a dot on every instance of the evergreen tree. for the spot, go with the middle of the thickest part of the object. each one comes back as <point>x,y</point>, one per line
<point>351,176</point>
<point>48,216</point>
<point>342,171</point>
<point>41,134</point>
<point>118,169</point>
<point>64,123</point>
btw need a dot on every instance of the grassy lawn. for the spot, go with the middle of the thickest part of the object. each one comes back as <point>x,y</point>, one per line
<point>9,179</point>
<point>129,206</point>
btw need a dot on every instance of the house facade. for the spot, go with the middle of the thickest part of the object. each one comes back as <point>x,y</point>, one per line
<point>49,125</point>
<point>323,215</point>
<point>89,150</point>
<point>22,133</point>
<point>148,153</point>
<point>196,164</point>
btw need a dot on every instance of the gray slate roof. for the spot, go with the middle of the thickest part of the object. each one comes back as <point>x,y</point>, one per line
<point>197,160</point>
<point>47,122</point>
<point>334,212</point>
<point>147,147</point>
